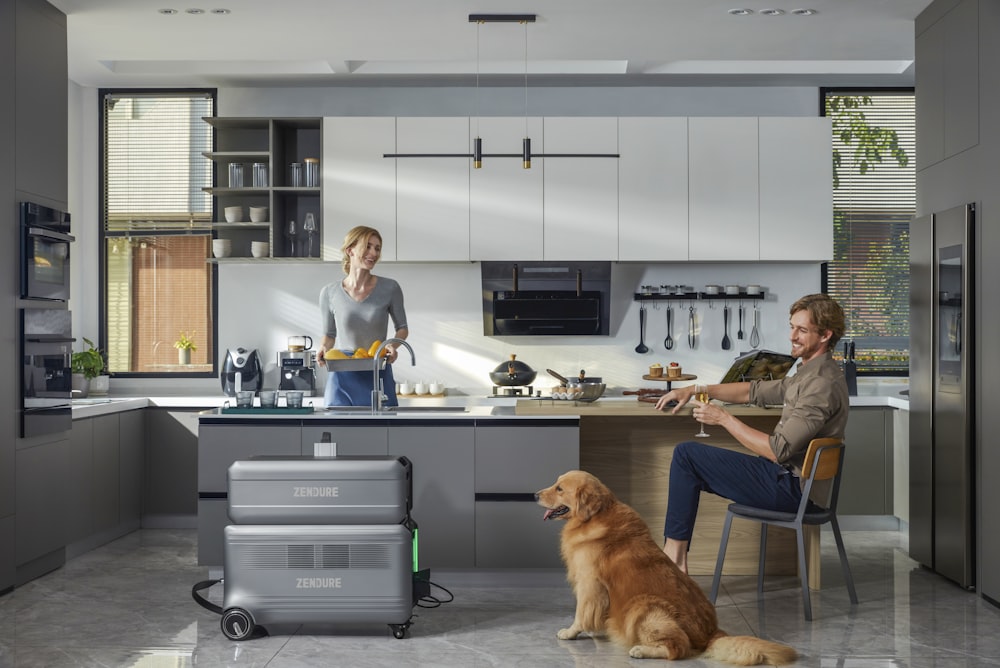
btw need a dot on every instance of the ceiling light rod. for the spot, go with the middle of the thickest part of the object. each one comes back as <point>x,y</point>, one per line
<point>501,18</point>
<point>477,155</point>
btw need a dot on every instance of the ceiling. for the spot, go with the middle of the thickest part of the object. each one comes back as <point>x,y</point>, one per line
<point>124,43</point>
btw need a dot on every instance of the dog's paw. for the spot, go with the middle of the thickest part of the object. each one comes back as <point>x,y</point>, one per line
<point>648,652</point>
<point>567,634</point>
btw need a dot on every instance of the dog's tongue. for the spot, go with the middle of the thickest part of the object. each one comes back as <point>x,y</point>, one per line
<point>548,514</point>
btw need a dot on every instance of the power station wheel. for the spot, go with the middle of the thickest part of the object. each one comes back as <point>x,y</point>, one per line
<point>399,630</point>
<point>237,624</point>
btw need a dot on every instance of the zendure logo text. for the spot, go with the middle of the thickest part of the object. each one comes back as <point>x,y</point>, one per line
<point>317,583</point>
<point>316,491</point>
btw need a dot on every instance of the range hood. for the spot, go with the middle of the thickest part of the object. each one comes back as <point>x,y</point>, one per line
<point>546,298</point>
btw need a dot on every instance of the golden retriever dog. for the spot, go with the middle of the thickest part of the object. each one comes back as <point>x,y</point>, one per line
<point>627,587</point>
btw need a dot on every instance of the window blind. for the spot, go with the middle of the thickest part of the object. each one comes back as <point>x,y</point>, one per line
<point>873,206</point>
<point>155,167</point>
<point>156,228</point>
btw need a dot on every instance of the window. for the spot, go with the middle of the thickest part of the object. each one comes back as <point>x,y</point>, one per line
<point>874,199</point>
<point>156,231</point>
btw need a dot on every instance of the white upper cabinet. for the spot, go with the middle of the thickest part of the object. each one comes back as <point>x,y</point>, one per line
<point>723,173</point>
<point>796,189</point>
<point>653,189</point>
<point>505,215</point>
<point>359,184</point>
<point>581,194</point>
<point>432,194</point>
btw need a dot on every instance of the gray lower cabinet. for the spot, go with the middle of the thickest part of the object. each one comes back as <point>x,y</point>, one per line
<point>43,473</point>
<point>866,487</point>
<point>443,459</point>
<point>218,447</point>
<point>512,463</point>
<point>171,456</point>
<point>368,441</point>
<point>131,465</point>
<point>105,486</point>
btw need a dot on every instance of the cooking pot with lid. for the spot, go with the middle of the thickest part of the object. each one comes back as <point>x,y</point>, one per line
<point>513,373</point>
<point>592,386</point>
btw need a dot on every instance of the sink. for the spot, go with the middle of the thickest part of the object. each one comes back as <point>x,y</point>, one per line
<point>393,410</point>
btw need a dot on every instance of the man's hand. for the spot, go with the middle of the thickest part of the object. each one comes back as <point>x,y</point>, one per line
<point>681,395</point>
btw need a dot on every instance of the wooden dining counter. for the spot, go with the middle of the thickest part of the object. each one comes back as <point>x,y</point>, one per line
<point>628,444</point>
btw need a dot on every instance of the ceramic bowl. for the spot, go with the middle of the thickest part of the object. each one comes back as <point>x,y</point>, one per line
<point>259,248</point>
<point>234,214</point>
<point>732,289</point>
<point>711,289</point>
<point>753,289</point>
<point>258,214</point>
<point>222,247</point>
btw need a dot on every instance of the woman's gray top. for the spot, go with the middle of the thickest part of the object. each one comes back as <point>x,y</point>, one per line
<point>357,324</point>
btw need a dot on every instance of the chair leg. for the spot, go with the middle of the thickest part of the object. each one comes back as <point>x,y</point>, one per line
<point>844,566</point>
<point>761,558</point>
<point>721,558</point>
<point>803,572</point>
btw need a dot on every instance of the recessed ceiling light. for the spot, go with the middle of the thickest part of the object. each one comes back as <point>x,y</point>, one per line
<point>804,12</point>
<point>741,12</point>
<point>195,10</point>
<point>220,11</point>
<point>772,12</point>
<point>168,11</point>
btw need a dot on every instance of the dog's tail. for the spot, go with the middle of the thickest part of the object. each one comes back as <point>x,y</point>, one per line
<point>748,651</point>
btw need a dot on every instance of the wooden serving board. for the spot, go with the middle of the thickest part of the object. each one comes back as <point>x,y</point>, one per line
<point>414,395</point>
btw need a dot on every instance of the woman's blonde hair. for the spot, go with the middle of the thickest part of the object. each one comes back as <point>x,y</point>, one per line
<point>360,233</point>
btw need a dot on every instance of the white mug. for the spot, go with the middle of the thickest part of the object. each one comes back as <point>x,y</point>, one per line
<point>420,388</point>
<point>404,388</point>
<point>437,387</point>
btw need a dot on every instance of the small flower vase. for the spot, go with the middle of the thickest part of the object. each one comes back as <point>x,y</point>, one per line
<point>183,355</point>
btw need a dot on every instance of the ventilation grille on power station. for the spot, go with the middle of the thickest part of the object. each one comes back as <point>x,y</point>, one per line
<point>318,556</point>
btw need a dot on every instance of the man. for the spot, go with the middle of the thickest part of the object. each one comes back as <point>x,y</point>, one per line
<point>815,405</point>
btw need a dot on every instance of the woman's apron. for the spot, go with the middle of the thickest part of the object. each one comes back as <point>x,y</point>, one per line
<point>354,388</point>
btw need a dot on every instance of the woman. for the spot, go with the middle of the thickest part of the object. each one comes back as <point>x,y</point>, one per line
<point>355,313</point>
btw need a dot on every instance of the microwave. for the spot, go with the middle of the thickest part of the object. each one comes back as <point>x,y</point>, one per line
<point>45,253</point>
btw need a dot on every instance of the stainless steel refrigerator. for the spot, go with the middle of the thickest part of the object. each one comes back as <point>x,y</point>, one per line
<point>942,455</point>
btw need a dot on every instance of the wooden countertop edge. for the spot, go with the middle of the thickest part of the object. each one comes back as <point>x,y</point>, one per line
<point>620,408</point>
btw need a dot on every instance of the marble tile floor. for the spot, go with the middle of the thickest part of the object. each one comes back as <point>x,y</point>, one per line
<point>129,603</point>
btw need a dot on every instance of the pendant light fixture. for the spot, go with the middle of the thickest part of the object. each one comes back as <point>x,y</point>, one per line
<point>477,154</point>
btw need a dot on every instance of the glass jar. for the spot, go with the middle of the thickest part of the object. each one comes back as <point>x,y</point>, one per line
<point>260,175</point>
<point>312,172</point>
<point>236,175</point>
<point>295,175</point>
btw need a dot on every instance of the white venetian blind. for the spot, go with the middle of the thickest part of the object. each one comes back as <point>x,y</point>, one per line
<point>154,163</point>
<point>873,206</point>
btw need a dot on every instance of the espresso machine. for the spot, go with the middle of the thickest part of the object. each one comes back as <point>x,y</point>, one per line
<point>297,366</point>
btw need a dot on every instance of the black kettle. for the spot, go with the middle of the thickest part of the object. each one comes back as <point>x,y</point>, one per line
<point>513,373</point>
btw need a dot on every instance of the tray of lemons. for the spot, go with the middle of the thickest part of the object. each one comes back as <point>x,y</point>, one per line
<point>359,359</point>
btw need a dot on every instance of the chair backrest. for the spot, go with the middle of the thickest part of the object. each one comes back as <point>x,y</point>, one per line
<point>824,459</point>
<point>828,463</point>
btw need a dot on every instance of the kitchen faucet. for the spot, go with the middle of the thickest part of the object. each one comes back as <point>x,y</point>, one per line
<point>378,395</point>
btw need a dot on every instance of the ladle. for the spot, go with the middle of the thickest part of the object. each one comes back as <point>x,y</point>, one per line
<point>641,348</point>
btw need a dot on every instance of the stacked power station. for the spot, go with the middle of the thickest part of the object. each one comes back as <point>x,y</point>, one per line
<point>322,540</point>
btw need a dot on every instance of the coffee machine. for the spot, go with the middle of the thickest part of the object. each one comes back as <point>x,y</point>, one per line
<point>241,370</point>
<point>297,366</point>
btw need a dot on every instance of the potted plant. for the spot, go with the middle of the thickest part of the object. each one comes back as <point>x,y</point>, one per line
<point>185,344</point>
<point>86,365</point>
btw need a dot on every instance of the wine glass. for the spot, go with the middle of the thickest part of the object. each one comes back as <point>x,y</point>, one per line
<point>309,227</point>
<point>291,231</point>
<point>701,394</point>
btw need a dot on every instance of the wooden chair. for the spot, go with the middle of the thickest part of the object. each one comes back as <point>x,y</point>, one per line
<point>824,461</point>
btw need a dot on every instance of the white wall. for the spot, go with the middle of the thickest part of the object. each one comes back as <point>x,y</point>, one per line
<point>261,305</point>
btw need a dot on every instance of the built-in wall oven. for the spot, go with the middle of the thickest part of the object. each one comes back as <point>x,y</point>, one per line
<point>46,372</point>
<point>45,253</point>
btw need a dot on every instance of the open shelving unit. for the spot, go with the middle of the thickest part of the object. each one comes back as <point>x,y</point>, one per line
<point>277,142</point>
